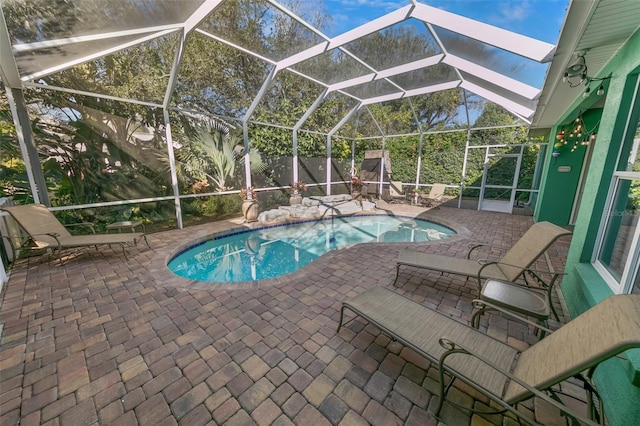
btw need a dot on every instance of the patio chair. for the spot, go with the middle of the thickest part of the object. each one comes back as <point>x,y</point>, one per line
<point>396,192</point>
<point>436,195</point>
<point>503,373</point>
<point>514,265</point>
<point>46,232</point>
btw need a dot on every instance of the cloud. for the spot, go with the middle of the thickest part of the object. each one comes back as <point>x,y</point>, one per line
<point>494,12</point>
<point>516,11</point>
<point>535,18</point>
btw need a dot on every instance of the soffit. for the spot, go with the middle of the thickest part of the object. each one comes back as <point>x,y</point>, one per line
<point>598,28</point>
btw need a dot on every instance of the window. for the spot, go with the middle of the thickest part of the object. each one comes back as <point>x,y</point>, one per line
<point>618,253</point>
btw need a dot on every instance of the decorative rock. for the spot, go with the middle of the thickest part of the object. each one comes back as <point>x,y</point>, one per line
<point>333,199</point>
<point>349,207</point>
<point>308,202</point>
<point>301,212</point>
<point>368,206</point>
<point>316,207</point>
<point>274,216</point>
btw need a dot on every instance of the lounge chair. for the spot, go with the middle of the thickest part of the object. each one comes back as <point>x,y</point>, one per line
<point>502,372</point>
<point>511,267</point>
<point>436,195</point>
<point>396,192</point>
<point>46,232</point>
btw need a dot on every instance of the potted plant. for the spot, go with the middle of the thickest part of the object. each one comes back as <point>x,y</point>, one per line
<point>356,188</point>
<point>415,197</point>
<point>296,192</point>
<point>250,208</point>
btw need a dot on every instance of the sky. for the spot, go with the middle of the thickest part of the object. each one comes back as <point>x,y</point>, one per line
<point>540,19</point>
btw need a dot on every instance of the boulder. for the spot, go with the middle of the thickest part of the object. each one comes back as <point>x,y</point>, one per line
<point>300,211</point>
<point>327,199</point>
<point>368,206</point>
<point>344,208</point>
<point>274,216</point>
<point>310,201</point>
<point>315,208</point>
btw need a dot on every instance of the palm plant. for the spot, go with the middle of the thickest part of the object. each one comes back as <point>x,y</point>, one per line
<point>220,152</point>
<point>214,155</point>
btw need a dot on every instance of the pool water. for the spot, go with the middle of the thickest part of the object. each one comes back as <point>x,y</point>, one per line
<point>279,250</point>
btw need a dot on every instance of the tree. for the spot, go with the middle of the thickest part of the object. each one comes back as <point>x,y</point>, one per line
<point>13,173</point>
<point>94,149</point>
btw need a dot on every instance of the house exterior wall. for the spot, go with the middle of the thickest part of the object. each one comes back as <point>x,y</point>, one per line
<point>563,173</point>
<point>617,380</point>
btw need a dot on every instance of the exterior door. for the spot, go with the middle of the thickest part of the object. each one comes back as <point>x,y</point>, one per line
<point>499,182</point>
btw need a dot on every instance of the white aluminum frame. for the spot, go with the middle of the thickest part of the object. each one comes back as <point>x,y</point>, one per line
<point>523,46</point>
<point>631,267</point>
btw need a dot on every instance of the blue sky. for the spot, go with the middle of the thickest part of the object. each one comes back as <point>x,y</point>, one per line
<point>540,19</point>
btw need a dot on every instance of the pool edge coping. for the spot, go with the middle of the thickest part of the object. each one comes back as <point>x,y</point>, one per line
<point>163,276</point>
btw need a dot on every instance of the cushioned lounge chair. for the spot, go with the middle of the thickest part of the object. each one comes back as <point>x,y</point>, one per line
<point>494,368</point>
<point>511,267</point>
<point>46,232</point>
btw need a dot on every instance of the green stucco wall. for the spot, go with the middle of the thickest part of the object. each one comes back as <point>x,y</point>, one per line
<point>558,192</point>
<point>583,287</point>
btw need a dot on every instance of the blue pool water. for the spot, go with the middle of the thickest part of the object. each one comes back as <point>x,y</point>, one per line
<point>279,250</point>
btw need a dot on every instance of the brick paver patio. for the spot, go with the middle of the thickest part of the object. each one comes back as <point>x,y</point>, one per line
<point>102,340</point>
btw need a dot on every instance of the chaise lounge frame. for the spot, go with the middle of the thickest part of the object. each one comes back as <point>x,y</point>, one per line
<point>436,195</point>
<point>45,231</point>
<point>499,371</point>
<point>514,265</point>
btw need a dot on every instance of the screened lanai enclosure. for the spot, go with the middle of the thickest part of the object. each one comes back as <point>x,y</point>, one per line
<point>165,110</point>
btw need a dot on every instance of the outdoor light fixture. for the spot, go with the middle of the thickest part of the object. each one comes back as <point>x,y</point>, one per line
<point>576,74</point>
<point>600,90</point>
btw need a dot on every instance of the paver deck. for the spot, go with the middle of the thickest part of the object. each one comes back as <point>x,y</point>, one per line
<point>102,340</point>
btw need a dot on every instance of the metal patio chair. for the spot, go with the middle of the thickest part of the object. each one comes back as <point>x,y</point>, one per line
<point>503,373</point>
<point>44,231</point>
<point>436,195</point>
<point>514,265</point>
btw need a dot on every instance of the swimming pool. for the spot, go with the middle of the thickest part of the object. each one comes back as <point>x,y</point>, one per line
<point>279,250</point>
